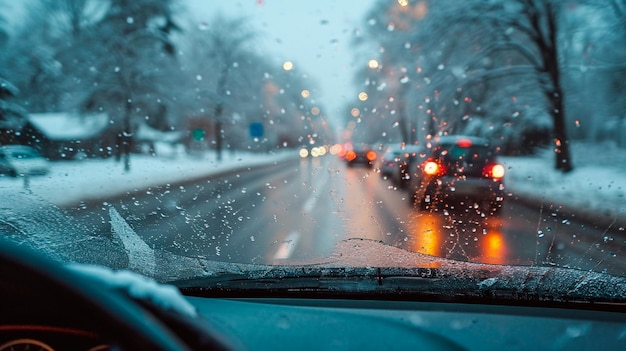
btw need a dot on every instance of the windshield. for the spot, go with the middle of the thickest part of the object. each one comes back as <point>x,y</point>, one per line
<point>187,139</point>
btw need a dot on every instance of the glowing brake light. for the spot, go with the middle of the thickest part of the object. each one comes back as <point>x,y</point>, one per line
<point>350,155</point>
<point>495,171</point>
<point>464,143</point>
<point>371,155</point>
<point>431,168</point>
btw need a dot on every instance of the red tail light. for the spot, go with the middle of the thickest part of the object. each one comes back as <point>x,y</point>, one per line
<point>431,168</point>
<point>464,143</point>
<point>371,155</point>
<point>350,155</point>
<point>495,171</point>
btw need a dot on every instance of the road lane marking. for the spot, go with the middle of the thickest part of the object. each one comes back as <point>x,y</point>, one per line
<point>141,257</point>
<point>310,203</point>
<point>286,248</point>
<point>320,181</point>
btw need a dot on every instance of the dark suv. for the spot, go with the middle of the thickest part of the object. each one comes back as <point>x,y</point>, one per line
<point>457,171</point>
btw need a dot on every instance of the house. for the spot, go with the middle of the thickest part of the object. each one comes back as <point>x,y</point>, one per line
<point>66,135</point>
<point>147,139</point>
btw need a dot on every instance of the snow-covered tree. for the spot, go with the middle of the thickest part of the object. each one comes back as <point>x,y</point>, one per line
<point>489,67</point>
<point>125,66</point>
<point>11,113</point>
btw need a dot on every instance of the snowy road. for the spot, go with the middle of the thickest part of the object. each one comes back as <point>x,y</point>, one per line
<point>296,211</point>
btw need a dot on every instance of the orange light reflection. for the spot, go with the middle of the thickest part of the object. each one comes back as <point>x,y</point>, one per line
<point>427,234</point>
<point>493,245</point>
<point>478,240</point>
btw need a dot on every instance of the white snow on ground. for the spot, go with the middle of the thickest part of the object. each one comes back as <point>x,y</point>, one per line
<point>597,184</point>
<point>70,182</point>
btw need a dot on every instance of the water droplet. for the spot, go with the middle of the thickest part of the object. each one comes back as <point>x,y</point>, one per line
<point>576,331</point>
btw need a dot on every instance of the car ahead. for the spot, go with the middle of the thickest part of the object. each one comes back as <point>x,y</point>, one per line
<point>458,171</point>
<point>395,162</point>
<point>361,154</point>
<point>22,160</point>
<point>390,162</point>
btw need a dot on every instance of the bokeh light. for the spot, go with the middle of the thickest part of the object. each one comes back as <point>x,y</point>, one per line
<point>288,65</point>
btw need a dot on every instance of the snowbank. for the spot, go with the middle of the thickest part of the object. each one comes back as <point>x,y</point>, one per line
<point>69,183</point>
<point>595,190</point>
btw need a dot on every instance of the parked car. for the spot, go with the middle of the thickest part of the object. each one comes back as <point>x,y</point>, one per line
<point>22,160</point>
<point>458,171</point>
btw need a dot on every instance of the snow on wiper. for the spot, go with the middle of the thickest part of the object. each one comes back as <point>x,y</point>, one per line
<point>512,284</point>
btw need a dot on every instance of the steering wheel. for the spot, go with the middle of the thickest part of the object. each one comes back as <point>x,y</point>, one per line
<point>42,290</point>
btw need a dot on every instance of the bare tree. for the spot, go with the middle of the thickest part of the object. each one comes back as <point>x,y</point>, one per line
<point>452,49</point>
<point>221,46</point>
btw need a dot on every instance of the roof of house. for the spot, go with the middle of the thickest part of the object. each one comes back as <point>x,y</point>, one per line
<point>68,126</point>
<point>147,133</point>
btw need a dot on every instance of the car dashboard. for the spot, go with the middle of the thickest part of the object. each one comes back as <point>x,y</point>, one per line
<point>313,324</point>
<point>46,306</point>
<point>268,323</point>
<point>28,336</point>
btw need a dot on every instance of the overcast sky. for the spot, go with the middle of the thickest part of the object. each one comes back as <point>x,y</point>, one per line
<point>314,34</point>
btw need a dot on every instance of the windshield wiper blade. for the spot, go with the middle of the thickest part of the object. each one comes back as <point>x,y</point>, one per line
<point>310,279</point>
<point>518,285</point>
